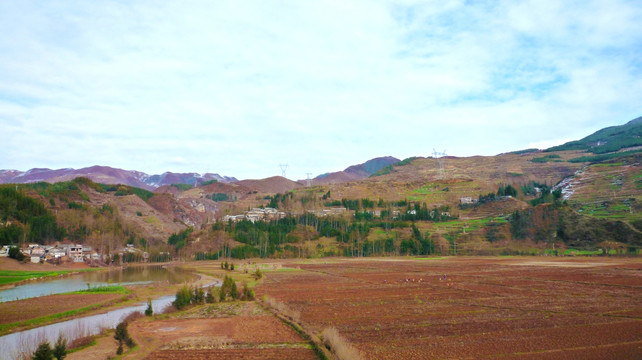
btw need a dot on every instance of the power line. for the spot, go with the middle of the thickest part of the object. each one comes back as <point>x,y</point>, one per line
<point>440,160</point>
<point>283,167</point>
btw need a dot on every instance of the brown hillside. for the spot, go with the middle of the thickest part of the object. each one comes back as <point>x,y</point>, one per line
<point>275,184</point>
<point>422,181</point>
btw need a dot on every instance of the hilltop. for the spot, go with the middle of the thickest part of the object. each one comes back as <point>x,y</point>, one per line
<point>610,139</point>
<point>354,172</point>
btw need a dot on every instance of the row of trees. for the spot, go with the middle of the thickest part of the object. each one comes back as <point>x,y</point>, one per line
<point>187,296</point>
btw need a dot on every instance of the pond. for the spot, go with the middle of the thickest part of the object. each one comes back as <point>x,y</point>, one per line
<point>133,275</point>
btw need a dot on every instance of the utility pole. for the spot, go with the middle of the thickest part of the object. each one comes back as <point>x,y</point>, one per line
<point>440,161</point>
<point>283,167</point>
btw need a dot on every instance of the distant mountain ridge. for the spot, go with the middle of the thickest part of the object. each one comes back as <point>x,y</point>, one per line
<point>109,175</point>
<point>354,172</point>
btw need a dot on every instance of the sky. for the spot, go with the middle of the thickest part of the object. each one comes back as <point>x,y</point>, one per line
<point>239,87</point>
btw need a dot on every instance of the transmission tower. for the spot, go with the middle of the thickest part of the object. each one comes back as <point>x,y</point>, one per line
<point>283,167</point>
<point>440,161</point>
<point>308,180</point>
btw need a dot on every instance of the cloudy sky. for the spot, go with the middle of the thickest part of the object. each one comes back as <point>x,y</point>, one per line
<point>239,87</point>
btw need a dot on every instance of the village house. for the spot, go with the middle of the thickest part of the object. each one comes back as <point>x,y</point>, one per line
<point>467,200</point>
<point>256,214</point>
<point>328,211</point>
<point>75,253</point>
<point>37,253</point>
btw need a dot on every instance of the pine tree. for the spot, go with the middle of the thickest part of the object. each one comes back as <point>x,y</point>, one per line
<point>43,352</point>
<point>60,349</point>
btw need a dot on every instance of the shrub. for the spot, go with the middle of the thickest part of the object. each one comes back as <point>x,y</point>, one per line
<point>199,295</point>
<point>228,289</point>
<point>43,352</point>
<point>232,266</point>
<point>60,349</point>
<point>183,297</point>
<point>15,253</point>
<point>212,296</point>
<point>248,294</point>
<point>258,274</point>
<point>149,311</point>
<point>122,336</point>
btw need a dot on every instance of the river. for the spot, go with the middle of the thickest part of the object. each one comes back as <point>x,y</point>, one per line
<point>133,275</point>
<point>14,346</point>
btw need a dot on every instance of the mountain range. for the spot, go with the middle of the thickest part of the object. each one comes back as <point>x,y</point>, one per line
<point>109,175</point>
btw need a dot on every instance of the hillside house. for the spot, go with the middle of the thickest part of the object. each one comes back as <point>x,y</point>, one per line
<point>467,200</point>
<point>36,253</point>
<point>75,253</point>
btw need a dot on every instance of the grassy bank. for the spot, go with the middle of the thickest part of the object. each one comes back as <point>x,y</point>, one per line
<point>9,277</point>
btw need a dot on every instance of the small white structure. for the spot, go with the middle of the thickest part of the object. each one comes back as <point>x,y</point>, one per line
<point>4,252</point>
<point>467,200</point>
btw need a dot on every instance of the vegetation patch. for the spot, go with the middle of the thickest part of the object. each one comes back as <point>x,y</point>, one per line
<point>11,276</point>
<point>182,187</point>
<point>390,168</point>
<point>603,157</point>
<point>119,289</point>
<point>546,158</point>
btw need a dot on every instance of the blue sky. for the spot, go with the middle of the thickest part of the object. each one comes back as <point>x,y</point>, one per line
<point>238,87</point>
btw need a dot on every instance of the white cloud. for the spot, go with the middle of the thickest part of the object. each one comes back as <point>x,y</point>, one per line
<point>237,87</point>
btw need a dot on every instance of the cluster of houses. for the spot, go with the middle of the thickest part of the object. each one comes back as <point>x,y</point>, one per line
<point>267,214</point>
<point>74,253</point>
<point>328,211</point>
<point>256,214</point>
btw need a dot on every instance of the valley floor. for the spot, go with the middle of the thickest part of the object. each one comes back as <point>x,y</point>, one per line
<point>409,308</point>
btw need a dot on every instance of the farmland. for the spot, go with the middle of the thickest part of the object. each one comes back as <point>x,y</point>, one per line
<point>221,331</point>
<point>36,311</point>
<point>515,308</point>
<point>397,308</point>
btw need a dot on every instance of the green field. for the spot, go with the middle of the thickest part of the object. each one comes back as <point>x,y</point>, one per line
<point>14,276</point>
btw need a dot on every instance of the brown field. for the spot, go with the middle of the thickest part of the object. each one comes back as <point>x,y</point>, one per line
<point>219,331</point>
<point>21,310</point>
<point>514,308</point>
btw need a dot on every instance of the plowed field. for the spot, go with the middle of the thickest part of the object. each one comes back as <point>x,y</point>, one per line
<point>514,308</point>
<point>245,336</point>
<point>26,309</point>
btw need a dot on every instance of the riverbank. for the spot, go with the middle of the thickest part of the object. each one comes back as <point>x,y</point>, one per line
<point>34,312</point>
<point>14,273</point>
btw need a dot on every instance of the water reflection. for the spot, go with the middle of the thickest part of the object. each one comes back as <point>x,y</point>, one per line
<point>15,345</point>
<point>132,275</point>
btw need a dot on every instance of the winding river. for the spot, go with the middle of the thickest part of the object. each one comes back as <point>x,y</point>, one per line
<point>16,345</point>
<point>133,275</point>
